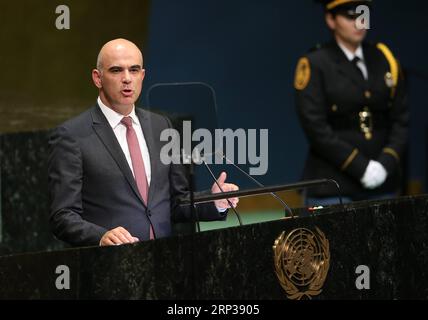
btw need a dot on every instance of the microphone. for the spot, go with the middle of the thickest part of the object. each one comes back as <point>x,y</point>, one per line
<point>218,185</point>
<point>193,210</point>
<point>286,207</point>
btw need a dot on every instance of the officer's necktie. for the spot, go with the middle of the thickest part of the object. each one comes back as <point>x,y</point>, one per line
<point>137,162</point>
<point>355,63</point>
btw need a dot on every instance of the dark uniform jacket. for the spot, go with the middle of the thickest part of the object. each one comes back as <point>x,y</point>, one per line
<point>349,120</point>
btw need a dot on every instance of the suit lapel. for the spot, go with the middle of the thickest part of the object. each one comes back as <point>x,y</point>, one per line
<point>345,67</point>
<point>105,133</point>
<point>146,126</point>
<point>370,64</point>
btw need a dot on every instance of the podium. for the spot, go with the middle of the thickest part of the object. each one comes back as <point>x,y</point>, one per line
<point>388,237</point>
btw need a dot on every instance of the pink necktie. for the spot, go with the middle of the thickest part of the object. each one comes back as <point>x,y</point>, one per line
<point>137,163</point>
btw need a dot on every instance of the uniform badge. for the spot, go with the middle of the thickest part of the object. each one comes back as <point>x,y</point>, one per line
<point>302,260</point>
<point>303,74</point>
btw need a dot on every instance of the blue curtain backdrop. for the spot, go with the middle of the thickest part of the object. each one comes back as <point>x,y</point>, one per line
<point>247,50</point>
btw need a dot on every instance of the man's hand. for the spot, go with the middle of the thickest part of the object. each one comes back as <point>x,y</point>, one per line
<point>117,236</point>
<point>374,176</point>
<point>223,204</point>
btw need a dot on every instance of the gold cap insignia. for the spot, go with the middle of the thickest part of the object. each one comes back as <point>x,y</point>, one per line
<point>303,74</point>
<point>302,260</point>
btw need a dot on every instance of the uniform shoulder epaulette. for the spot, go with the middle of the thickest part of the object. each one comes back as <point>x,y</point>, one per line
<point>392,75</point>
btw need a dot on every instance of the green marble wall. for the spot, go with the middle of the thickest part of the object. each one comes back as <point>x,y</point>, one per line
<point>45,72</point>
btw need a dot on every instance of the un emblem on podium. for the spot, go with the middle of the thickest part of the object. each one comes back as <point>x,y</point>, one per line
<point>302,260</point>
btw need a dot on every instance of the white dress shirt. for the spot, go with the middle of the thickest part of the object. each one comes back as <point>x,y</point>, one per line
<point>358,53</point>
<point>119,130</point>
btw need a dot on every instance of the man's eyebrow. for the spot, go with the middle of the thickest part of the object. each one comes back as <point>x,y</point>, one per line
<point>115,68</point>
<point>136,66</point>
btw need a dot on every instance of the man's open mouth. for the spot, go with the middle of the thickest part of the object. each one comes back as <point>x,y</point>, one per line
<point>127,92</point>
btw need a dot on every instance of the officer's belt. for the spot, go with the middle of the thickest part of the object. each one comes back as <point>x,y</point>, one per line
<point>353,121</point>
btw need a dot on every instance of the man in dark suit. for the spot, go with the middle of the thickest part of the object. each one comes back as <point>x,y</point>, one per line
<point>107,181</point>
<point>351,102</point>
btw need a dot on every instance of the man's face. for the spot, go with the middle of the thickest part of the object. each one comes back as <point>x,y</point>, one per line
<point>345,29</point>
<point>120,79</point>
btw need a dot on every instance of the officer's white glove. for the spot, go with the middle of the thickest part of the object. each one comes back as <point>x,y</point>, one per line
<point>374,176</point>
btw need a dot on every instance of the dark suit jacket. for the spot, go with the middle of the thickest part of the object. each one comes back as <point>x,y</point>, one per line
<point>328,108</point>
<point>93,190</point>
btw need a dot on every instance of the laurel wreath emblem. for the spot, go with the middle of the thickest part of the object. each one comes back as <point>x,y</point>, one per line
<point>302,261</point>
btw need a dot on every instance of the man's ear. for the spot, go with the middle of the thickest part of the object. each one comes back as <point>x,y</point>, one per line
<point>331,22</point>
<point>144,74</point>
<point>96,78</point>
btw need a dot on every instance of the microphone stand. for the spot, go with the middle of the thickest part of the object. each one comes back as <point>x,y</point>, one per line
<point>287,208</point>
<point>218,185</point>
<point>193,210</point>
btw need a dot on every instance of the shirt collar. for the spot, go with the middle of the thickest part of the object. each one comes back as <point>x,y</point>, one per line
<point>358,53</point>
<point>114,117</point>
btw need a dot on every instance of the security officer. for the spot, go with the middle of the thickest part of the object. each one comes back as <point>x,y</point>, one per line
<point>351,103</point>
